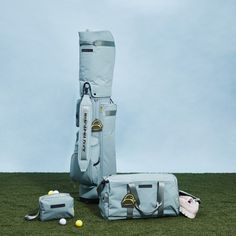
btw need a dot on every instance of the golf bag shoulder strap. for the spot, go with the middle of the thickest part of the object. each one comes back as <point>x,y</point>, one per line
<point>85,110</point>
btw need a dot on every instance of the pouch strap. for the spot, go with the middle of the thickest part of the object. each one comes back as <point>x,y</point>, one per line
<point>32,216</point>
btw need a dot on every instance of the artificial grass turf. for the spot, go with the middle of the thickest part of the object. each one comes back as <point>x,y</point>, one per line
<point>19,194</point>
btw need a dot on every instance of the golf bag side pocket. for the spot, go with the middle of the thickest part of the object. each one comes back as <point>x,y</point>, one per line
<point>90,176</point>
<point>108,154</point>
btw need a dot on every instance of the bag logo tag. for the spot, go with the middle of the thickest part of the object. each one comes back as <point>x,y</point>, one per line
<point>128,200</point>
<point>97,125</point>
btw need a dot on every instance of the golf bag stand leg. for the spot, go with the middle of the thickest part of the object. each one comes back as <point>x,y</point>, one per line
<point>94,155</point>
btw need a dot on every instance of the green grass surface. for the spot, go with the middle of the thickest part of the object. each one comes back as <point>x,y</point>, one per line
<point>19,194</point>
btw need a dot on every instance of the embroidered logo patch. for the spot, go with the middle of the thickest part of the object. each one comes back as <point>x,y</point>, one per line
<point>128,200</point>
<point>97,125</point>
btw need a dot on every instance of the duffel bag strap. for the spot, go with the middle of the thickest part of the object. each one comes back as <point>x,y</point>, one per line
<point>131,189</point>
<point>160,198</point>
<point>130,208</point>
<point>101,186</point>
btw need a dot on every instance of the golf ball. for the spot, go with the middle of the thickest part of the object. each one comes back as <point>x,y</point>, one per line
<point>50,192</point>
<point>78,223</point>
<point>62,221</point>
<point>55,191</point>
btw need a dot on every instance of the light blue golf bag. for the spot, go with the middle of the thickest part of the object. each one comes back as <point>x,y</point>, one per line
<point>94,154</point>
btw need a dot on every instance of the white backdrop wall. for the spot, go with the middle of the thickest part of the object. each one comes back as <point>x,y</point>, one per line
<point>174,82</point>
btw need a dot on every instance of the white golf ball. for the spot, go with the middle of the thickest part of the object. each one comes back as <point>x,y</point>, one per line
<point>62,221</point>
<point>55,191</point>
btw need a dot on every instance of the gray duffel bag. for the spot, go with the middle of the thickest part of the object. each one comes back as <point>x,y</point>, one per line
<point>141,195</point>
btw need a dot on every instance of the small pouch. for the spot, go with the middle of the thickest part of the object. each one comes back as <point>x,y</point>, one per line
<point>54,206</point>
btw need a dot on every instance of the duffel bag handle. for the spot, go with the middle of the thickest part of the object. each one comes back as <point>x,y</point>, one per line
<point>146,214</point>
<point>131,187</point>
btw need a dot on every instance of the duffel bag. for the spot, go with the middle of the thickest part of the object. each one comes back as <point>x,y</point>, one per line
<point>143,195</point>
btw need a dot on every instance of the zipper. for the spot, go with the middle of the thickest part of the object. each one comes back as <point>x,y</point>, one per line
<point>98,43</point>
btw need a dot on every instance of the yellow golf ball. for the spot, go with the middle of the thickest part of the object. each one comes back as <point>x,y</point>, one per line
<point>79,223</point>
<point>50,192</point>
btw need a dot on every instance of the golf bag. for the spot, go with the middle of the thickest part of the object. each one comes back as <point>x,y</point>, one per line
<point>94,153</point>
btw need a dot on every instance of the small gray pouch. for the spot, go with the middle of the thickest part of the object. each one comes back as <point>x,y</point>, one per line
<point>54,206</point>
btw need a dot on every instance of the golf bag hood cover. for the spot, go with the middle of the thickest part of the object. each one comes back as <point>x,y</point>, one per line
<point>97,58</point>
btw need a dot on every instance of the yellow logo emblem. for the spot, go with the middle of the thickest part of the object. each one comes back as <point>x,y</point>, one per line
<point>97,125</point>
<point>128,200</point>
